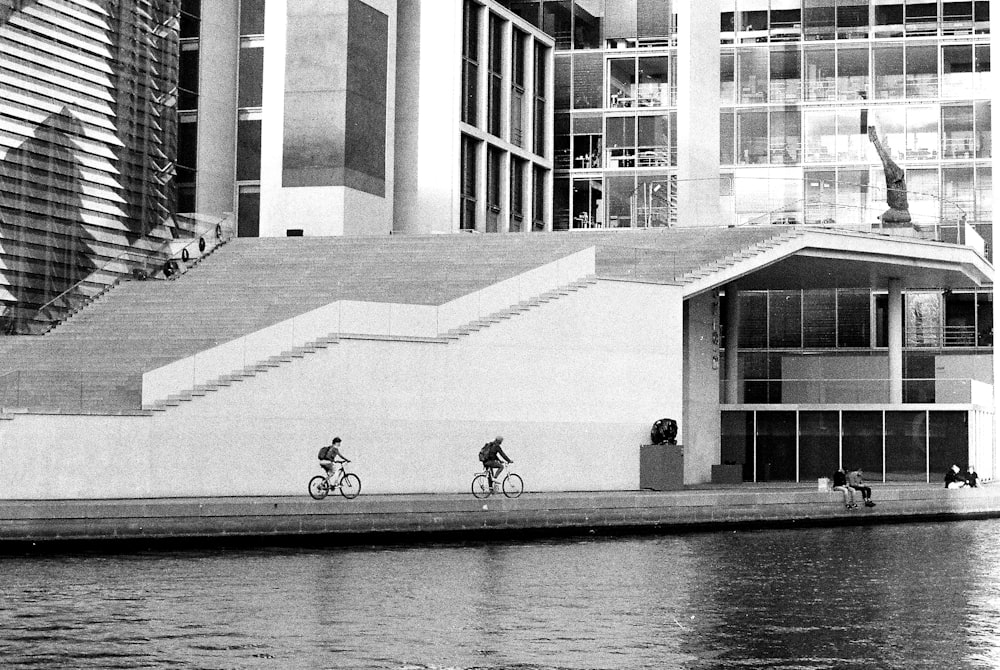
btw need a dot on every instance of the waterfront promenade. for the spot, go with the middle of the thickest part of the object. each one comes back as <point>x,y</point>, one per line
<point>375,518</point>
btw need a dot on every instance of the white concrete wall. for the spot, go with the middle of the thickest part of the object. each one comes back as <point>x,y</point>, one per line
<point>573,385</point>
<point>701,425</point>
<point>428,141</point>
<point>317,210</point>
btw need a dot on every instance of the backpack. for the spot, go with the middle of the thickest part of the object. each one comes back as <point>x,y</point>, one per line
<point>484,453</point>
<point>324,453</point>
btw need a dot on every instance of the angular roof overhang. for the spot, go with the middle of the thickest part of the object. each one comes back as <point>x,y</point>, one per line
<point>824,259</point>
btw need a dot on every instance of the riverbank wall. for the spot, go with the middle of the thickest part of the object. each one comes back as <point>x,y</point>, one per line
<point>392,518</point>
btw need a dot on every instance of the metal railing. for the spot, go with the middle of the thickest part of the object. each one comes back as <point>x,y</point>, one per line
<point>195,236</point>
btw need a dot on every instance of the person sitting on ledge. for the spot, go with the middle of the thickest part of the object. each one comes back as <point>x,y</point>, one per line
<point>953,479</point>
<point>857,482</point>
<point>971,477</point>
<point>840,484</point>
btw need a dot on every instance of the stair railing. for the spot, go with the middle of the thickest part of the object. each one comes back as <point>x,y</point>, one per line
<point>167,259</point>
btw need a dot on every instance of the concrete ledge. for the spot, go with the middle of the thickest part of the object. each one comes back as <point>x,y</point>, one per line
<point>369,518</point>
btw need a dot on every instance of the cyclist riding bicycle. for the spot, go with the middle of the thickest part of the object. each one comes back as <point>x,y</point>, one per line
<point>488,455</point>
<point>329,455</point>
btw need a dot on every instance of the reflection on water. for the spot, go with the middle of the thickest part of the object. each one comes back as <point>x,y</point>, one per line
<point>906,596</point>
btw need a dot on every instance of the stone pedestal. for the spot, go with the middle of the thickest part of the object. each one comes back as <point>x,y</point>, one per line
<point>661,467</point>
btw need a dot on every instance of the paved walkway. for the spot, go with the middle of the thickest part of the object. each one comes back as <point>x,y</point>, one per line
<point>409,517</point>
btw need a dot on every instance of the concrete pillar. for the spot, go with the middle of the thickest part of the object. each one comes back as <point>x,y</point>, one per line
<point>895,341</point>
<point>732,344</point>
<point>219,51</point>
<point>698,113</point>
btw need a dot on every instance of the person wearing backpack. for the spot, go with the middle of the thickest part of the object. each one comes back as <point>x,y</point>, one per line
<point>488,456</point>
<point>329,455</point>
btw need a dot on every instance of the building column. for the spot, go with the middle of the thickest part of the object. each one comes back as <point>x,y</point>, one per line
<point>895,341</point>
<point>698,113</point>
<point>732,343</point>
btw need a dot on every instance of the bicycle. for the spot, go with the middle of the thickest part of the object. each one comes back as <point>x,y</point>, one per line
<point>348,483</point>
<point>510,483</point>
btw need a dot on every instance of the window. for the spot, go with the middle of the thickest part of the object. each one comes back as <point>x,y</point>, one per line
<point>538,186</point>
<point>517,71</point>
<point>921,71</point>
<point>984,132</point>
<point>852,19</point>
<point>248,150</point>
<point>753,73</point>
<point>248,211</point>
<point>251,17</point>
<point>517,177</point>
<point>541,82</point>
<point>727,80</point>
<point>588,81</point>
<point>470,62</point>
<point>786,130</point>
<point>888,18</point>
<point>956,70</point>
<point>251,83</point>
<point>819,19</point>
<point>621,82</point>
<point>190,18</point>
<point>620,141</point>
<point>922,137</point>
<point>495,65</point>
<point>957,137</point>
<point>187,78</point>
<point>786,74</point>
<point>654,82</point>
<point>888,62</point>
<point>494,165</point>
<point>752,144</point>
<point>852,73</point>
<point>820,68</point>
<point>467,215</point>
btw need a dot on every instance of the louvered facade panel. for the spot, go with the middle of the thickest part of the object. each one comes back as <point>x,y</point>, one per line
<point>87,135</point>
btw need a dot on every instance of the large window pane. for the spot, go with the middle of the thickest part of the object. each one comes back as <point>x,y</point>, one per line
<point>819,19</point>
<point>852,197</point>
<point>984,129</point>
<point>654,85</point>
<point>784,319</point>
<point>621,82</point>
<point>654,141</point>
<point>820,128</point>
<point>786,74</point>
<point>852,73</point>
<point>587,21</point>
<point>776,446</point>
<point>753,71</point>
<point>819,444</point>
<point>852,144</point>
<point>786,20</point>
<point>922,139</point>
<point>248,150</point>
<point>820,68</point>
<point>737,440</point>
<point>753,319</point>
<point>251,17</point>
<point>786,131</point>
<point>819,319</point>
<point>251,90</point>
<point>888,18</point>
<point>949,442</point>
<point>620,141</point>
<point>862,442</point>
<point>853,318</point>
<point>888,63</point>
<point>248,212</point>
<point>921,17</point>
<point>852,19</point>
<point>957,135</point>
<point>956,70</point>
<point>921,71</point>
<point>821,197</point>
<point>620,190</point>
<point>905,446</point>
<point>727,137</point>
<point>727,81</point>
<point>752,135</point>
<point>587,81</point>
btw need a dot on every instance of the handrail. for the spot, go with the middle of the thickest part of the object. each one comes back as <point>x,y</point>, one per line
<point>159,262</point>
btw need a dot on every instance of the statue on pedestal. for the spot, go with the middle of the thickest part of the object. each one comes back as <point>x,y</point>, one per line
<point>895,185</point>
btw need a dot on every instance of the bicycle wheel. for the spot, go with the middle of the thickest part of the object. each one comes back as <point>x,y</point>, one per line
<point>512,486</point>
<point>350,486</point>
<point>481,487</point>
<point>319,487</point>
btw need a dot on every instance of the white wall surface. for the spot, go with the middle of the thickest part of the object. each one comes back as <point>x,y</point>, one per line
<point>574,386</point>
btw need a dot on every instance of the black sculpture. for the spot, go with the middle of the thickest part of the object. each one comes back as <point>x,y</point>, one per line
<point>664,432</point>
<point>895,185</point>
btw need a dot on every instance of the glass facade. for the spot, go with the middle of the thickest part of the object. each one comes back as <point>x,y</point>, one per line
<point>888,446</point>
<point>506,111</point>
<point>801,80</point>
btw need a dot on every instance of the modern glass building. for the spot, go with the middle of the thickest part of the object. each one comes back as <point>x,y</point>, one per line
<point>800,84</point>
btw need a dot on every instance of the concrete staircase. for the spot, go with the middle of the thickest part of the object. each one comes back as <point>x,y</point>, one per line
<point>93,362</point>
<point>297,353</point>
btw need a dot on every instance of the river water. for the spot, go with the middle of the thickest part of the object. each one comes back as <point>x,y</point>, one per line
<point>890,596</point>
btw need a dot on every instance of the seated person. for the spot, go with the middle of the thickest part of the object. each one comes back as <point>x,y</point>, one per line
<point>840,484</point>
<point>953,479</point>
<point>857,482</point>
<point>971,477</point>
